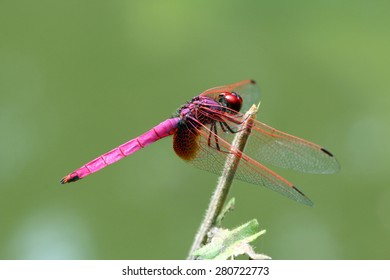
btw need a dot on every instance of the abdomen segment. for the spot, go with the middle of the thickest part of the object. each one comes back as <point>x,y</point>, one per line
<point>164,129</point>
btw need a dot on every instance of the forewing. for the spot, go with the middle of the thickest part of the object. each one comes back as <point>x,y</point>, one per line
<point>271,146</point>
<point>268,145</point>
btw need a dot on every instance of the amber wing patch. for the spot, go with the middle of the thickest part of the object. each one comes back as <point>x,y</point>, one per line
<point>185,143</point>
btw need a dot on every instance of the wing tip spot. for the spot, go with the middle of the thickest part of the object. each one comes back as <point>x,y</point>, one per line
<point>327,152</point>
<point>305,200</point>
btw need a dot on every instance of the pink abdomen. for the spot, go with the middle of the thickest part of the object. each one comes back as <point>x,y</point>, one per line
<point>164,129</point>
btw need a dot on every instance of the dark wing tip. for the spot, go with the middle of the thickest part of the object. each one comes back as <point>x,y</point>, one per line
<point>327,152</point>
<point>252,81</point>
<point>69,178</point>
<point>304,199</point>
<point>334,166</point>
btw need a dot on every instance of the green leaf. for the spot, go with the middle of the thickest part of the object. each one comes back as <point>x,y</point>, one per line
<point>228,207</point>
<point>226,244</point>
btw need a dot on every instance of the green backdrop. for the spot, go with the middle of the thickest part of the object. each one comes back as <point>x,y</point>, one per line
<point>78,78</point>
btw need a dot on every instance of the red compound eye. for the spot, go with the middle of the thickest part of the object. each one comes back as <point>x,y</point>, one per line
<point>231,100</point>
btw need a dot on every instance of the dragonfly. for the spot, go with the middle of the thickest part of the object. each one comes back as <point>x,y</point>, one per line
<point>203,130</point>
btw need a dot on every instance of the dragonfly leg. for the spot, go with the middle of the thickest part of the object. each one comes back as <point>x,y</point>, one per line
<point>213,130</point>
<point>225,127</point>
<point>216,136</point>
<point>209,138</point>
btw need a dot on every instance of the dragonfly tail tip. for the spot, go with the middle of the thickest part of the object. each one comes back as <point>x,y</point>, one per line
<point>69,178</point>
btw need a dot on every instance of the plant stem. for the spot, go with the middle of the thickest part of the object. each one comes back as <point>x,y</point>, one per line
<point>224,182</point>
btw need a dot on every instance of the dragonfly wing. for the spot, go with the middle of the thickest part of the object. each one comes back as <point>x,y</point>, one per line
<point>247,89</point>
<point>277,148</point>
<point>271,146</point>
<point>211,154</point>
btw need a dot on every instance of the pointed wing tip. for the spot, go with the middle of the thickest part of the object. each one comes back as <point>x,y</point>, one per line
<point>303,198</point>
<point>336,168</point>
<point>309,203</point>
<point>335,164</point>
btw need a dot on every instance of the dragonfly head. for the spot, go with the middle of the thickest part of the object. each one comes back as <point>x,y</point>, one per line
<point>231,100</point>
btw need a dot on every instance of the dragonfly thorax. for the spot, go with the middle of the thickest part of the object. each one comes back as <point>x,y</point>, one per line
<point>193,108</point>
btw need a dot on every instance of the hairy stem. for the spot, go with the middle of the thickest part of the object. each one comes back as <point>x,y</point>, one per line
<point>224,182</point>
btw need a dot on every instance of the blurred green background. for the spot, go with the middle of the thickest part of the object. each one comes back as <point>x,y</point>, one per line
<point>78,78</point>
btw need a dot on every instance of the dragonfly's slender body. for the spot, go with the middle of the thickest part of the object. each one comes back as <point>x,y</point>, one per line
<point>161,130</point>
<point>202,132</point>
